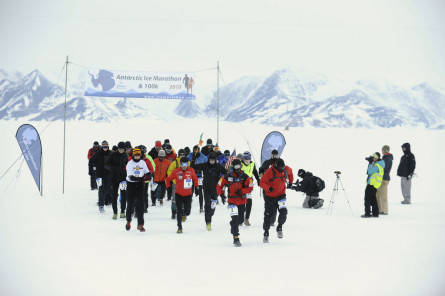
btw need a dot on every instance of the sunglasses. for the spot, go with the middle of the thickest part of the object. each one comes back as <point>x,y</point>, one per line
<point>181,155</point>
<point>105,146</point>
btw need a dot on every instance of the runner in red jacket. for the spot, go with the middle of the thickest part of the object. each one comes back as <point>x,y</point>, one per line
<point>186,179</point>
<point>274,184</point>
<point>240,185</point>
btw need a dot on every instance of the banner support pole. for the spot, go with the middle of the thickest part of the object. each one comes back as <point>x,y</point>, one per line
<point>64,125</point>
<point>217,102</point>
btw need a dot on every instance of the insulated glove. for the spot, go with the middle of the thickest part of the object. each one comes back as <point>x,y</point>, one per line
<point>271,189</point>
<point>196,191</point>
<point>289,185</point>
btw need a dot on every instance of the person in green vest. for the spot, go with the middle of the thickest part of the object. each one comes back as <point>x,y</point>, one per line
<point>375,177</point>
<point>248,167</point>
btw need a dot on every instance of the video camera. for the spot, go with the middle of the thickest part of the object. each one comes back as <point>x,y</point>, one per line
<point>370,159</point>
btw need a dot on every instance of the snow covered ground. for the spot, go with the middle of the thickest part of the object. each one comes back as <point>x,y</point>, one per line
<point>60,244</point>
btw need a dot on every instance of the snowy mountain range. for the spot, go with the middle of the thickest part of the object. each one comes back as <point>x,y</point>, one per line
<point>288,97</point>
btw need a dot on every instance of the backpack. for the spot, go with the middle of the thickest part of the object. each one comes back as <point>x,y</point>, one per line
<point>317,184</point>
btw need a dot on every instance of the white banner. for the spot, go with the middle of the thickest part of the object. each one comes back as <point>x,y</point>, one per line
<point>153,85</point>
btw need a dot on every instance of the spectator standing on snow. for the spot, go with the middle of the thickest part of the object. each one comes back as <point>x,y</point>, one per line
<point>375,176</point>
<point>405,171</point>
<point>211,171</point>
<point>99,161</point>
<point>186,179</point>
<point>382,192</point>
<point>248,166</point>
<point>91,168</point>
<point>239,185</point>
<point>274,183</point>
<point>118,174</point>
<point>137,174</point>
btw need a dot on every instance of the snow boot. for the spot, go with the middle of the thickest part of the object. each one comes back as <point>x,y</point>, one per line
<point>128,225</point>
<point>246,222</point>
<point>141,228</point>
<point>114,216</point>
<point>236,241</point>
<point>280,233</point>
<point>266,237</point>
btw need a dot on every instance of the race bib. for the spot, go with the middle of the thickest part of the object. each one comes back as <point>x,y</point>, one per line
<point>154,186</point>
<point>188,183</point>
<point>213,205</point>
<point>282,204</point>
<point>200,181</point>
<point>249,196</point>
<point>99,182</point>
<point>233,210</point>
<point>137,174</point>
<point>123,185</point>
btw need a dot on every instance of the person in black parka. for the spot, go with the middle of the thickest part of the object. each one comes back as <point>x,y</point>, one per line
<point>405,171</point>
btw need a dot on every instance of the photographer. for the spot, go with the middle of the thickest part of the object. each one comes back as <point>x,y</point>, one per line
<point>308,187</point>
<point>375,176</point>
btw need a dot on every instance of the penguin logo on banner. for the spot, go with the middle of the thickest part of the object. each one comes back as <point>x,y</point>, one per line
<point>274,140</point>
<point>31,146</point>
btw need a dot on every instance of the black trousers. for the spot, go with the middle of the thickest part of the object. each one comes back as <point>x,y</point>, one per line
<point>273,215</point>
<point>93,178</point>
<point>159,193</point>
<point>135,197</point>
<point>114,191</point>
<point>271,206</point>
<point>146,186</point>
<point>371,201</point>
<point>237,220</point>
<point>248,208</point>
<point>209,195</point>
<point>104,191</point>
<point>184,206</point>
<point>201,196</point>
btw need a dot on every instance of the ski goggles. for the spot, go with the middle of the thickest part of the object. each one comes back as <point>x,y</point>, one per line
<point>237,167</point>
<point>184,164</point>
<point>105,146</point>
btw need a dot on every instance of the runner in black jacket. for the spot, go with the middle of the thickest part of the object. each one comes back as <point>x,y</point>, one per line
<point>211,171</point>
<point>117,161</point>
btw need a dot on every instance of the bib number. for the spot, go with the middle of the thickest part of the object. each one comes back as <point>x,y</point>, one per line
<point>188,183</point>
<point>137,174</point>
<point>249,196</point>
<point>154,186</point>
<point>233,210</point>
<point>282,204</point>
<point>123,185</point>
<point>99,182</point>
<point>200,181</point>
<point>213,205</point>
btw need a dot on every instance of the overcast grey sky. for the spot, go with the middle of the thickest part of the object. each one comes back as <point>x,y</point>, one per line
<point>399,40</point>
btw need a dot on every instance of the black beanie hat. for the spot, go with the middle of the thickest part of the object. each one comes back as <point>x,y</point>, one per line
<point>212,155</point>
<point>187,150</point>
<point>209,141</point>
<point>184,159</point>
<point>128,144</point>
<point>121,145</point>
<point>181,151</point>
<point>301,172</point>
<point>279,165</point>
<point>275,151</point>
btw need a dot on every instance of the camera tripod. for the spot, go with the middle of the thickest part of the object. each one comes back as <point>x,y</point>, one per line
<point>335,192</point>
